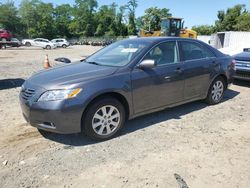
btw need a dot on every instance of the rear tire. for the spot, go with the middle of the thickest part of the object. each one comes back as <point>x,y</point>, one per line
<point>103,119</point>
<point>64,46</point>
<point>27,44</point>
<point>216,91</point>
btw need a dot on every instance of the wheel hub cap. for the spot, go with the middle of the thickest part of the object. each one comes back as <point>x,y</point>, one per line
<point>106,120</point>
<point>217,90</point>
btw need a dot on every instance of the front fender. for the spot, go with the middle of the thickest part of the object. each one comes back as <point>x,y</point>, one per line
<point>117,84</point>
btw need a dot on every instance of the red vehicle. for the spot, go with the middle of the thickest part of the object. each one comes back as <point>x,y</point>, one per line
<point>5,35</point>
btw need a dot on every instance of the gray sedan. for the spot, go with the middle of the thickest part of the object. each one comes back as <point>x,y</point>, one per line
<point>125,80</point>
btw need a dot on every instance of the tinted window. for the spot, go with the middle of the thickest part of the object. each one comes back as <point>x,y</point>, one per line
<point>164,53</point>
<point>192,51</point>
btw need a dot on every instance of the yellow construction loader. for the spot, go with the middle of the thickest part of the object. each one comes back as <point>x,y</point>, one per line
<point>171,27</point>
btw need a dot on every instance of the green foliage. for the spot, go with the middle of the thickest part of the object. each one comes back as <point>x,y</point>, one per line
<point>46,25</point>
<point>83,22</point>
<point>234,19</point>
<point>152,18</point>
<point>29,16</point>
<point>131,6</point>
<point>122,29</point>
<point>204,29</point>
<point>131,24</point>
<point>35,18</point>
<point>63,18</point>
<point>243,22</point>
<point>9,17</point>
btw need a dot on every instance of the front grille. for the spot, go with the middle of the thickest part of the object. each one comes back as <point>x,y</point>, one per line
<point>242,74</point>
<point>243,64</point>
<point>27,93</point>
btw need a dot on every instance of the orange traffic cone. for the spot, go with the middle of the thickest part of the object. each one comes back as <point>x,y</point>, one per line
<point>46,64</point>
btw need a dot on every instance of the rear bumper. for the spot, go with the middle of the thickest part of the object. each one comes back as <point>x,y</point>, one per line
<point>55,116</point>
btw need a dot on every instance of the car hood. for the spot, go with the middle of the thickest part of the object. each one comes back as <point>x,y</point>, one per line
<point>244,56</point>
<point>69,75</point>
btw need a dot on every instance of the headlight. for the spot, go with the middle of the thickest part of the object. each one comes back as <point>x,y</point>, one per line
<point>55,95</point>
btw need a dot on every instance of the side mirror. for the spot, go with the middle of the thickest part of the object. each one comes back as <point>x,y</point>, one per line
<point>147,64</point>
<point>63,60</point>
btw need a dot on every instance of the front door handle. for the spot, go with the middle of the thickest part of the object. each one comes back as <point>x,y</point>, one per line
<point>179,70</point>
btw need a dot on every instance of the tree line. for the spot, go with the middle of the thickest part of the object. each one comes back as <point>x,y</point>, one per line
<point>236,18</point>
<point>35,18</point>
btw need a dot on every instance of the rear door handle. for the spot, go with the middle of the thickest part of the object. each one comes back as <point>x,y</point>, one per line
<point>215,63</point>
<point>168,77</point>
<point>179,70</point>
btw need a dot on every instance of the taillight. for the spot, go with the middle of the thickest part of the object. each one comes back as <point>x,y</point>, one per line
<point>232,65</point>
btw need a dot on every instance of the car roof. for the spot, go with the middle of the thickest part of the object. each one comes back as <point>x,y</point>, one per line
<point>41,38</point>
<point>59,39</point>
<point>159,39</point>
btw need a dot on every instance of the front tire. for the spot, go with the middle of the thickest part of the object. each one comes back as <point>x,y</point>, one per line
<point>48,47</point>
<point>64,46</point>
<point>216,91</point>
<point>103,119</point>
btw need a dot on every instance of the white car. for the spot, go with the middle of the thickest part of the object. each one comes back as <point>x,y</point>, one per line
<point>39,42</point>
<point>60,42</point>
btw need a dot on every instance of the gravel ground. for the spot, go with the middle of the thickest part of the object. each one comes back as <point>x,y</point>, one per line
<point>193,145</point>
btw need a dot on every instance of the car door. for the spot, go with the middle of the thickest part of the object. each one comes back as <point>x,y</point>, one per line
<point>159,86</point>
<point>58,42</point>
<point>198,62</point>
<point>44,43</point>
<point>61,42</point>
<point>37,42</point>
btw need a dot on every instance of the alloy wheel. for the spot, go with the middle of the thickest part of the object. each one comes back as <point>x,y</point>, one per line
<point>217,90</point>
<point>106,120</point>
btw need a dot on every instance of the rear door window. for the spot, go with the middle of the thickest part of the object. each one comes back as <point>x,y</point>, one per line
<point>193,51</point>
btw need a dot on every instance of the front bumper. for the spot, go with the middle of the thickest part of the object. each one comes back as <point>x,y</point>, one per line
<point>54,116</point>
<point>242,74</point>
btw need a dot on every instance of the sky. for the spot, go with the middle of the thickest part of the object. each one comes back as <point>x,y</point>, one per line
<point>194,12</point>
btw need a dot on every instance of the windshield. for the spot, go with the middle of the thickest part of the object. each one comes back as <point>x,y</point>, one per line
<point>118,54</point>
